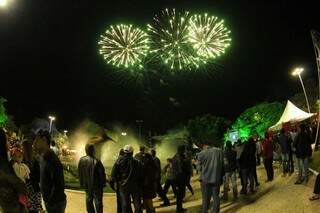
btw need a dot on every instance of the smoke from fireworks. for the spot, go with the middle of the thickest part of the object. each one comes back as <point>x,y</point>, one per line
<point>124,46</point>
<point>208,36</point>
<point>169,39</point>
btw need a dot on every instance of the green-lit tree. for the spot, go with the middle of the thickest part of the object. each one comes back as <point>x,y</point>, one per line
<point>255,120</point>
<point>3,114</point>
<point>207,128</point>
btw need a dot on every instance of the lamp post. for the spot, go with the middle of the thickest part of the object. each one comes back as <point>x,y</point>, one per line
<point>139,122</point>
<point>297,72</point>
<point>51,118</point>
<point>3,3</point>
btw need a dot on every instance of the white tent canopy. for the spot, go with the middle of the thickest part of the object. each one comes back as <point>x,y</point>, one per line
<point>291,114</point>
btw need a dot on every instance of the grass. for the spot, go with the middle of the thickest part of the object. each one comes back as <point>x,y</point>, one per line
<point>72,181</point>
<point>315,161</point>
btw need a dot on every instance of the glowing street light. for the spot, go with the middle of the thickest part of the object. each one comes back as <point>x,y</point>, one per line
<point>139,122</point>
<point>51,118</point>
<point>65,132</point>
<point>297,72</point>
<point>3,3</point>
<point>123,133</point>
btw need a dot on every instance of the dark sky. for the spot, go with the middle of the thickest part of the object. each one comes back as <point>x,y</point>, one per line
<point>49,61</point>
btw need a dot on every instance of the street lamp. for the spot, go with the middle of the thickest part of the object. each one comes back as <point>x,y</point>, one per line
<point>297,72</point>
<point>139,122</point>
<point>51,118</point>
<point>3,3</point>
<point>123,133</point>
<point>65,132</point>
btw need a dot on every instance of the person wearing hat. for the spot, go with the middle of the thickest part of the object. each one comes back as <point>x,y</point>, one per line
<point>127,172</point>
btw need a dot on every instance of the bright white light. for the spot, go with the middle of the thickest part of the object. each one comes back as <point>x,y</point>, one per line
<point>297,71</point>
<point>3,3</point>
<point>123,133</point>
<point>50,117</point>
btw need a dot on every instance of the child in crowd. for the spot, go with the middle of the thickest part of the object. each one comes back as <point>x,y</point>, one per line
<point>169,178</point>
<point>21,169</point>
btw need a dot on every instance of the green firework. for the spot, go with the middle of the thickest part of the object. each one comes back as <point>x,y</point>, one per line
<point>169,39</point>
<point>124,46</point>
<point>208,36</point>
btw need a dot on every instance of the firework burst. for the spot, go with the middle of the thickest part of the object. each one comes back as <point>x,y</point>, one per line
<point>208,36</point>
<point>124,46</point>
<point>169,39</point>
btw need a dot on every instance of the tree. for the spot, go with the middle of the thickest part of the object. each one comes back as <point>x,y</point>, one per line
<point>207,128</point>
<point>257,119</point>
<point>3,114</point>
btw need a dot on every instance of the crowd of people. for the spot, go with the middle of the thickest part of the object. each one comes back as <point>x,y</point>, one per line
<point>31,172</point>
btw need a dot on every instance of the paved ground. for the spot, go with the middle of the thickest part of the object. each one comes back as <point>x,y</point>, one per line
<point>279,196</point>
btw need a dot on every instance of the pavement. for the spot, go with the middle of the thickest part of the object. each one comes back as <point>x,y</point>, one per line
<point>278,196</point>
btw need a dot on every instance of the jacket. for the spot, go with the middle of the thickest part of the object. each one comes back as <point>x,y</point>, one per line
<point>150,175</point>
<point>51,178</point>
<point>248,156</point>
<point>127,172</point>
<point>169,172</point>
<point>230,160</point>
<point>91,173</point>
<point>158,168</point>
<point>211,165</point>
<point>303,145</point>
<point>267,149</point>
<point>285,144</point>
<point>180,168</point>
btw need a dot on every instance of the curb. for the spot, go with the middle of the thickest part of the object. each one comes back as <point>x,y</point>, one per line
<point>82,192</point>
<point>313,171</point>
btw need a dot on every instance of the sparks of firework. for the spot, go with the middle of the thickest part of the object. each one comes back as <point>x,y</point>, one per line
<point>208,35</point>
<point>169,39</point>
<point>124,46</point>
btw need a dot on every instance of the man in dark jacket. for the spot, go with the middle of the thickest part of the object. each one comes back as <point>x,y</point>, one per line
<point>247,163</point>
<point>285,147</point>
<point>160,191</point>
<point>139,156</point>
<point>230,168</point>
<point>303,153</point>
<point>92,178</point>
<point>51,175</point>
<point>179,173</point>
<point>127,172</point>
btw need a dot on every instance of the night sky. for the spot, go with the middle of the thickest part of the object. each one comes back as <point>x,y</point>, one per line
<point>49,61</point>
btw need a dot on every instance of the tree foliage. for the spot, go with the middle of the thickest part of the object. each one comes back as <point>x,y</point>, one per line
<point>207,129</point>
<point>257,119</point>
<point>3,114</point>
